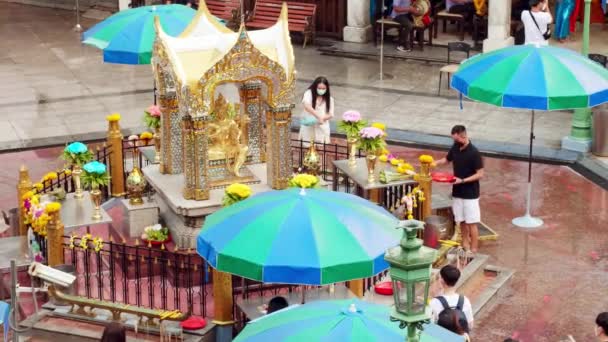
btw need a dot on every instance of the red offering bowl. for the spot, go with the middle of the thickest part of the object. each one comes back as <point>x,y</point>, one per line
<point>157,243</point>
<point>443,177</point>
<point>193,323</point>
<point>384,288</point>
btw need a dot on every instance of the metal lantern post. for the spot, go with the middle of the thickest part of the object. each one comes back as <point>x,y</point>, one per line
<point>410,270</point>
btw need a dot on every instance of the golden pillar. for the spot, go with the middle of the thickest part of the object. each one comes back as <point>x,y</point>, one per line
<point>24,185</point>
<point>279,161</point>
<point>171,137</point>
<point>196,162</point>
<point>425,182</point>
<point>54,230</point>
<point>222,297</point>
<point>116,159</point>
<point>356,287</point>
<point>251,98</point>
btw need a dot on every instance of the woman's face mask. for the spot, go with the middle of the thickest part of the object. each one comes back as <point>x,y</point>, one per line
<point>321,91</point>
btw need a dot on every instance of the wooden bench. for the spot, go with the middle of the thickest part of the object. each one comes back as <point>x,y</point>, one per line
<point>229,10</point>
<point>301,17</point>
<point>416,34</point>
<point>446,16</point>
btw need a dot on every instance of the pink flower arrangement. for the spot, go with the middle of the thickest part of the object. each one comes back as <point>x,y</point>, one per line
<point>370,133</point>
<point>154,110</point>
<point>351,116</point>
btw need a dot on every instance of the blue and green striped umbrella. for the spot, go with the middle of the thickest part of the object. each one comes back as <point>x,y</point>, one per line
<point>533,77</point>
<point>342,320</point>
<point>127,37</point>
<point>315,237</point>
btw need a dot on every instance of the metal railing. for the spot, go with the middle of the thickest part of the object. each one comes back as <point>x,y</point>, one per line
<point>143,276</point>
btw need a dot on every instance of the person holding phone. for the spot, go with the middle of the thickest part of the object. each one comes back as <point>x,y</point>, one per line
<point>536,23</point>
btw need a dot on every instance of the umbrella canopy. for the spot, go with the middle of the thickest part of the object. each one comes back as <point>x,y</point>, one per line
<point>127,37</point>
<point>533,77</point>
<point>312,237</point>
<point>343,320</point>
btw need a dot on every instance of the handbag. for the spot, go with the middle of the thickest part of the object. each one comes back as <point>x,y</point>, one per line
<point>547,33</point>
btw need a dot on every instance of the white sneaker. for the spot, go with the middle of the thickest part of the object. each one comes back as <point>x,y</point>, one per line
<point>403,48</point>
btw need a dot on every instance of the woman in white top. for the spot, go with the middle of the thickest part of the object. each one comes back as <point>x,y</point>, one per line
<point>318,110</point>
<point>539,12</point>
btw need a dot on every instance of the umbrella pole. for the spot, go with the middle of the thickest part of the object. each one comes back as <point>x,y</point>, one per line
<point>527,221</point>
<point>77,28</point>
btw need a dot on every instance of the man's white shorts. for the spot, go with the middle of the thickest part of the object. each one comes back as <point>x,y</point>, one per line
<point>466,210</point>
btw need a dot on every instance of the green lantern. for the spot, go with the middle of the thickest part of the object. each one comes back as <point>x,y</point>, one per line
<point>410,270</point>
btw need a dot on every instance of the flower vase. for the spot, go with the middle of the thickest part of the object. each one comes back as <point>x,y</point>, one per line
<point>96,199</point>
<point>156,138</point>
<point>312,161</point>
<point>76,172</point>
<point>136,184</point>
<point>372,160</point>
<point>352,151</point>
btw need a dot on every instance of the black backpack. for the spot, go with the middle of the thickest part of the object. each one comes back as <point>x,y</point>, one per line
<point>447,312</point>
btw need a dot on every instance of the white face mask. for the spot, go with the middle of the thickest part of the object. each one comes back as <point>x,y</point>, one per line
<point>321,91</point>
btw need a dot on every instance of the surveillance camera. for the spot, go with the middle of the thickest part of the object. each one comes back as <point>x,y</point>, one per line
<point>51,275</point>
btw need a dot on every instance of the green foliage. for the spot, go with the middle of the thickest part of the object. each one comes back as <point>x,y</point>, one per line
<point>371,145</point>
<point>77,159</point>
<point>94,180</point>
<point>351,129</point>
<point>151,122</point>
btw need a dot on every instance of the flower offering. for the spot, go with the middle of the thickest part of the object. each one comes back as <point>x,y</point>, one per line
<point>113,117</point>
<point>370,139</point>
<point>427,159</point>
<point>235,193</point>
<point>351,123</point>
<point>76,154</point>
<point>155,233</point>
<point>304,181</point>
<point>95,175</point>
<point>152,117</point>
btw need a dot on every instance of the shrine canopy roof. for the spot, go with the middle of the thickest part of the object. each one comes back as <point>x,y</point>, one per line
<point>205,42</point>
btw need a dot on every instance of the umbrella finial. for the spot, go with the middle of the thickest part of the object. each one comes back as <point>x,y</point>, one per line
<point>352,308</point>
<point>302,192</point>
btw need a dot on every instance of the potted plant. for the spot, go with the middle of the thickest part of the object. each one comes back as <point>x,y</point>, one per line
<point>156,235</point>
<point>370,141</point>
<point>94,176</point>
<point>350,125</point>
<point>152,120</point>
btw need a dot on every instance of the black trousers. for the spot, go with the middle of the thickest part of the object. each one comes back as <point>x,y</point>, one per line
<point>406,24</point>
<point>466,10</point>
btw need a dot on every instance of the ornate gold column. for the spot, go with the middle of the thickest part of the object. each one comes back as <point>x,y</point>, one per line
<point>171,136</point>
<point>356,287</point>
<point>196,162</point>
<point>425,182</point>
<point>251,99</point>
<point>116,159</point>
<point>278,146</point>
<point>54,230</point>
<point>222,298</point>
<point>24,185</point>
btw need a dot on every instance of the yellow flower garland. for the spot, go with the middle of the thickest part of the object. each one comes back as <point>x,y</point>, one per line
<point>146,136</point>
<point>241,190</point>
<point>304,180</point>
<point>52,207</point>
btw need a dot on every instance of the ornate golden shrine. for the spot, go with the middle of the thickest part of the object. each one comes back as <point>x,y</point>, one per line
<point>205,136</point>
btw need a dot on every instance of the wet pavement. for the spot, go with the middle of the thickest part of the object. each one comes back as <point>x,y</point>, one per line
<point>54,89</point>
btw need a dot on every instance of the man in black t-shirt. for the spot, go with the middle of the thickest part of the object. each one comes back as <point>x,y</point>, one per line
<point>468,170</point>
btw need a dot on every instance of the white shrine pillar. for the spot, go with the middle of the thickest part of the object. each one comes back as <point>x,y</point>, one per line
<point>499,25</point>
<point>358,28</point>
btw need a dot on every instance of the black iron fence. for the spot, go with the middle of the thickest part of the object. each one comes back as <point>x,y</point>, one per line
<point>144,276</point>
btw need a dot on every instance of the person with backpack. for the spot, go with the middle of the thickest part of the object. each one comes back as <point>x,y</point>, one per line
<point>536,23</point>
<point>448,319</point>
<point>451,303</point>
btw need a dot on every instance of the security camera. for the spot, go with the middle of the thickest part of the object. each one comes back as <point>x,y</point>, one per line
<point>51,275</point>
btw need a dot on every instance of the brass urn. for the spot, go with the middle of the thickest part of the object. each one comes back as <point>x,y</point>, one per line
<point>136,183</point>
<point>312,160</point>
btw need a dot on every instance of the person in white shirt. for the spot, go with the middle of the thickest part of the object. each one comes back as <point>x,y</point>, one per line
<point>318,110</point>
<point>449,277</point>
<point>536,22</point>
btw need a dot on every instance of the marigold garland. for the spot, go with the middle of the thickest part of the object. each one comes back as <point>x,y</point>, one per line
<point>113,117</point>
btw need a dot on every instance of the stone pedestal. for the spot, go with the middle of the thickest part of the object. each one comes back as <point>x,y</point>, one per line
<point>358,28</point>
<point>183,217</point>
<point>499,26</point>
<point>139,217</point>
